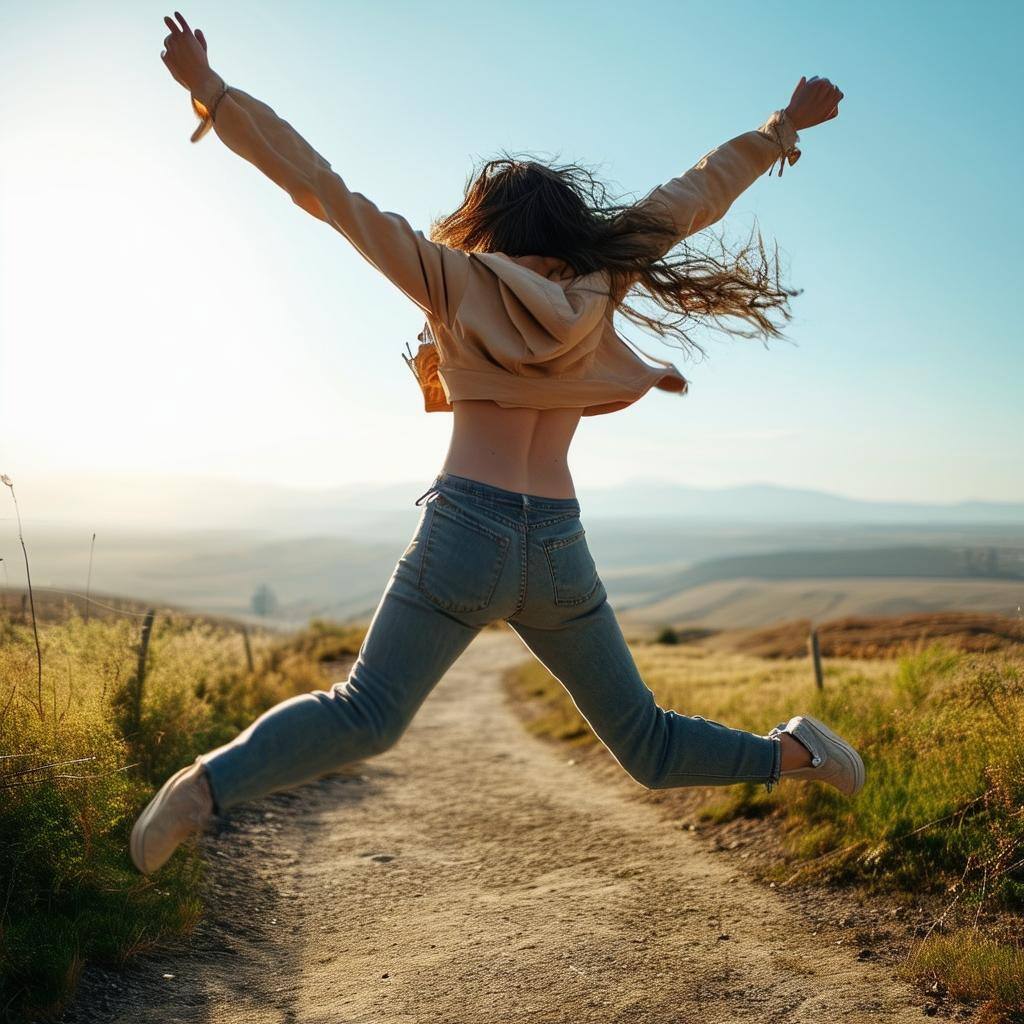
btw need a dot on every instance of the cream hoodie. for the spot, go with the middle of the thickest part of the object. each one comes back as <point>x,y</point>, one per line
<point>495,327</point>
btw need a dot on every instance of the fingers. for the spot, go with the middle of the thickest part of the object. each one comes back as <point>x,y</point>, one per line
<point>184,23</point>
<point>201,38</point>
<point>822,89</point>
<point>815,84</point>
<point>169,64</point>
<point>172,25</point>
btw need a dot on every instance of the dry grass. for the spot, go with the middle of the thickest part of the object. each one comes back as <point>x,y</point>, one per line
<point>76,767</point>
<point>970,966</point>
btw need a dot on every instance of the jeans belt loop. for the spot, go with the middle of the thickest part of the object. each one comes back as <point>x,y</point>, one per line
<point>432,491</point>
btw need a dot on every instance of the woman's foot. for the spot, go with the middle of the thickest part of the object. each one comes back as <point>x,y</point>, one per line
<point>831,758</point>
<point>183,805</point>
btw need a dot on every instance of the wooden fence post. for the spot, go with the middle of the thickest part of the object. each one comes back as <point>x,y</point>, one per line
<point>140,675</point>
<point>815,650</point>
<point>88,579</point>
<point>248,649</point>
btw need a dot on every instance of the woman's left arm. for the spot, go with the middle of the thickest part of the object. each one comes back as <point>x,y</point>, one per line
<point>702,195</point>
<point>430,274</point>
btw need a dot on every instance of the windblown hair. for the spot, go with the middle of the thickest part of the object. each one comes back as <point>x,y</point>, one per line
<point>522,207</point>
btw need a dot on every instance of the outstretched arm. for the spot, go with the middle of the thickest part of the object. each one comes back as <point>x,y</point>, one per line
<point>430,274</point>
<point>700,197</point>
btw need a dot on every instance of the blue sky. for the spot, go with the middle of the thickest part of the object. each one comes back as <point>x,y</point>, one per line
<point>165,308</point>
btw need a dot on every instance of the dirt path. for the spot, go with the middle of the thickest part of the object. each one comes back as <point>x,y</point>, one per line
<point>472,875</point>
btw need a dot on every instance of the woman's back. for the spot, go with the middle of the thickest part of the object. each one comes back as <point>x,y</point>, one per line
<point>519,449</point>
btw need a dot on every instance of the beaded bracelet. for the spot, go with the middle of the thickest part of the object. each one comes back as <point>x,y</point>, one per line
<point>205,114</point>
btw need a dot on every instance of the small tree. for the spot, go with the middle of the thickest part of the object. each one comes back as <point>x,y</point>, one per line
<point>667,636</point>
<point>992,562</point>
<point>264,601</point>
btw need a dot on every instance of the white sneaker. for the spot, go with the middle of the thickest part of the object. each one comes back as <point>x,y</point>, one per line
<point>833,760</point>
<point>183,805</point>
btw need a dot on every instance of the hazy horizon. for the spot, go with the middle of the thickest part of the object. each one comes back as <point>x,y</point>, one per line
<point>155,503</point>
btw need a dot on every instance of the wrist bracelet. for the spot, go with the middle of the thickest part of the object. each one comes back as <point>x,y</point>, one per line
<point>793,153</point>
<point>206,114</point>
<point>216,102</point>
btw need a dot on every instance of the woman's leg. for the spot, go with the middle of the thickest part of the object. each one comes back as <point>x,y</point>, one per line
<point>567,622</point>
<point>661,749</point>
<point>460,571</point>
<point>409,646</point>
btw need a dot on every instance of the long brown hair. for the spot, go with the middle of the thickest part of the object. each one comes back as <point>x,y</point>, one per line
<point>521,206</point>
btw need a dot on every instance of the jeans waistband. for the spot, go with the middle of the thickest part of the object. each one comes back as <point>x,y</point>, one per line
<point>498,497</point>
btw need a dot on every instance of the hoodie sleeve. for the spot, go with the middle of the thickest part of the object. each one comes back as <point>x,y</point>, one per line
<point>701,196</point>
<point>426,272</point>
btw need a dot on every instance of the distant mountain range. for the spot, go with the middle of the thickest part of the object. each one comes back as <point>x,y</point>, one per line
<point>768,503</point>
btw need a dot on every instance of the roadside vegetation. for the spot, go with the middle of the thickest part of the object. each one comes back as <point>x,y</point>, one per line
<point>84,743</point>
<point>941,819</point>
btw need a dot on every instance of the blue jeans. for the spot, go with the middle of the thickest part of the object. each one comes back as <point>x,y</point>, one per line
<point>482,553</point>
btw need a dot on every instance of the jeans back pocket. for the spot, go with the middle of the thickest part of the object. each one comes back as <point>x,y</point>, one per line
<point>574,575</point>
<point>462,559</point>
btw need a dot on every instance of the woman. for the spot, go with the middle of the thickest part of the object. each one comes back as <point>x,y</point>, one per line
<point>518,287</point>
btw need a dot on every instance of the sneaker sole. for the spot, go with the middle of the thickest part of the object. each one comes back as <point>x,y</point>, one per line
<point>136,840</point>
<point>858,764</point>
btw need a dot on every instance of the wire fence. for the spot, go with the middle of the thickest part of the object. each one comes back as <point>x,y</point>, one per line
<point>91,602</point>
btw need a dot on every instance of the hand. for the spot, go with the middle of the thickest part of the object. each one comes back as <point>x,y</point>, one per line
<point>185,55</point>
<point>813,101</point>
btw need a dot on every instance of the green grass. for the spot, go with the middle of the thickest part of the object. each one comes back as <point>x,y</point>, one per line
<point>942,736</point>
<point>68,892</point>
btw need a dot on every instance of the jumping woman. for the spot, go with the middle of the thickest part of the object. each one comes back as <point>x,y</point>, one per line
<point>518,287</point>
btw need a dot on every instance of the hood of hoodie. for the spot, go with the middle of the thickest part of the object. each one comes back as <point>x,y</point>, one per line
<point>552,316</point>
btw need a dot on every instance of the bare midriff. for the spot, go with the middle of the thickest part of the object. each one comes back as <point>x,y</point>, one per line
<point>524,450</point>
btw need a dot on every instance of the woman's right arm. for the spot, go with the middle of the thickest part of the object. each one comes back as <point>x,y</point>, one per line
<point>426,272</point>
<point>430,274</point>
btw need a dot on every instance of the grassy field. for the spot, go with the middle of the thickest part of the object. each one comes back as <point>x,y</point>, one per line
<point>941,819</point>
<point>865,637</point>
<point>82,748</point>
